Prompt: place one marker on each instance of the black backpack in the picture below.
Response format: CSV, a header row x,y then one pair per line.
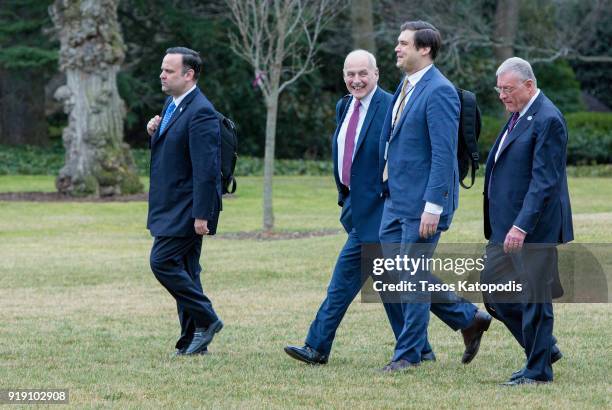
x,y
469,132
229,153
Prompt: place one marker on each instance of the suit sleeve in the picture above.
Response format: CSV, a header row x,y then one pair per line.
x,y
548,163
443,125
204,150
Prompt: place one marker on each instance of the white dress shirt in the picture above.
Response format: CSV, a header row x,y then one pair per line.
x,y
363,110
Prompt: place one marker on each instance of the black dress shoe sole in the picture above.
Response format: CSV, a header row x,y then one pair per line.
x,y
523,382
297,356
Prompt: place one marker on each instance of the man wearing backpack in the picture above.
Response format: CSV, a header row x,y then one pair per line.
x,y
360,194
185,195
420,171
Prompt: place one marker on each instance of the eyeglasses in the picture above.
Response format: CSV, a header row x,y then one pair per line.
x,y
507,90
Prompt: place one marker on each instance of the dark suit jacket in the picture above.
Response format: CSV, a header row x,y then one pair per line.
x,y
422,154
527,186
185,169
366,177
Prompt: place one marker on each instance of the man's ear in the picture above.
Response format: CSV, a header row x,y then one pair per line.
x,y
190,74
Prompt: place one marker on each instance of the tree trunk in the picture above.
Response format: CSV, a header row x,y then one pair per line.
x,y
22,108
271,115
506,26
97,160
362,23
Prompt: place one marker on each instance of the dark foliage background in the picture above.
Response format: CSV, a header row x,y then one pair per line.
x,y
28,63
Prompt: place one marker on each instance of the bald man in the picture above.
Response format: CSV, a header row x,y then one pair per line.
x,y
355,150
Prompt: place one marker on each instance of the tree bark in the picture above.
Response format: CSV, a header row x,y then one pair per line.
x,y
271,117
97,160
22,108
362,25
506,26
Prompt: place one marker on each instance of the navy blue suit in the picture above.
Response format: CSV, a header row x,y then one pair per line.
x,y
185,185
527,187
361,212
422,167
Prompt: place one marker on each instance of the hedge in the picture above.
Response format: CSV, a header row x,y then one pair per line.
x,y
590,143
590,137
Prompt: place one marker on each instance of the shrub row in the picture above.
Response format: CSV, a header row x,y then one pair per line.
x,y
590,143
590,137
29,160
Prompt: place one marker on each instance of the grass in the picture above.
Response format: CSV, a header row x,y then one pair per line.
x,y
81,310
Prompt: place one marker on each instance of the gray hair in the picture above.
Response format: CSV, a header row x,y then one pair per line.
x,y
370,56
518,66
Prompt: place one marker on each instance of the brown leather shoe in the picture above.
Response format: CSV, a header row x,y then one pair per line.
x,y
398,366
473,334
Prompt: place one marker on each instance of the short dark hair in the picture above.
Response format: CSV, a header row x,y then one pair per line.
x,y
191,59
425,35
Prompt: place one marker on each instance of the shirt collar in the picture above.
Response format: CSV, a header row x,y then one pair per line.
x,y
525,108
365,101
416,77
178,100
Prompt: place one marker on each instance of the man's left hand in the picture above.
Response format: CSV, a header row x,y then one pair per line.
x,y
514,240
201,226
429,225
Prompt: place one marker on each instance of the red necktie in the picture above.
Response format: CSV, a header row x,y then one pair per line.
x,y
349,144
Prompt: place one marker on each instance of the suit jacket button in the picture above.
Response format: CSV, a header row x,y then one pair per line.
x,y
446,195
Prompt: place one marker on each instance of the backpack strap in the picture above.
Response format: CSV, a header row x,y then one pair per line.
x,y
470,125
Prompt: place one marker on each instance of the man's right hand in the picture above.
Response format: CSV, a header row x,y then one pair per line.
x,y
153,124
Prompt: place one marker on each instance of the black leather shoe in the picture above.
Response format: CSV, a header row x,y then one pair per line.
x,y
202,338
398,366
473,334
428,357
521,381
556,354
554,357
306,354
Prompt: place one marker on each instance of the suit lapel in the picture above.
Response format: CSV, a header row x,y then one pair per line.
x,y
522,125
418,89
368,120
178,110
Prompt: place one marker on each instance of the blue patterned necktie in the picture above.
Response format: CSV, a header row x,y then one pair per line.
x,y
167,117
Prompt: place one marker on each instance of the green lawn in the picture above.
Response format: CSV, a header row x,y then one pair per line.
x,y
81,309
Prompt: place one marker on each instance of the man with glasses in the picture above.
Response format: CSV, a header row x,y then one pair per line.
x,y
526,214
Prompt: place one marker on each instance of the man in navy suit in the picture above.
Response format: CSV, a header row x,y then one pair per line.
x,y
526,214
184,195
420,171
355,152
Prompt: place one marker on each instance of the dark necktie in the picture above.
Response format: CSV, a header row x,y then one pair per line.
x,y
349,144
513,121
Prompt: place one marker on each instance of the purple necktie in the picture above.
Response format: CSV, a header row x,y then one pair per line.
x,y
349,144
513,121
